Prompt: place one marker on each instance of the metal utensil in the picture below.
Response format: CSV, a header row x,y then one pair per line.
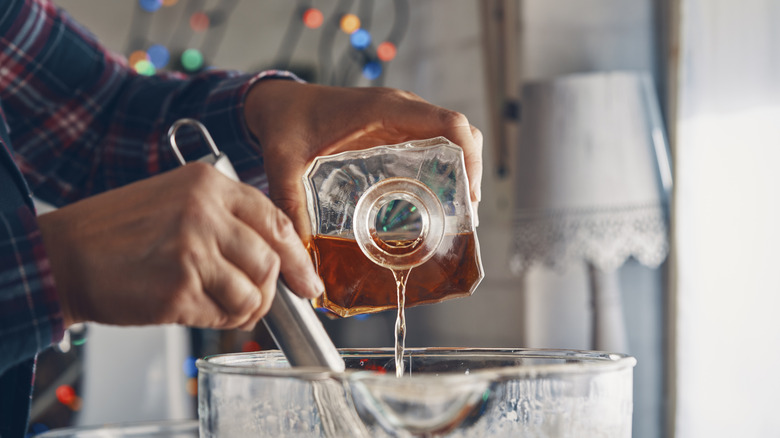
x,y
291,320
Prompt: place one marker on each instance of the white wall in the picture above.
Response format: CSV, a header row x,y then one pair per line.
x,y
728,209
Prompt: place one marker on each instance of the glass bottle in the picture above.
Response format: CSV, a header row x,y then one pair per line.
x,y
402,207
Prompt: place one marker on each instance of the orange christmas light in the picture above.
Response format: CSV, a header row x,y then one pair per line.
x,y
350,23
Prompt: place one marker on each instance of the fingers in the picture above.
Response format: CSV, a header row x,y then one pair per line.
x,y
417,119
276,229
238,300
250,267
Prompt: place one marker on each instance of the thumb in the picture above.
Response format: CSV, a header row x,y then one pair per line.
x,y
291,199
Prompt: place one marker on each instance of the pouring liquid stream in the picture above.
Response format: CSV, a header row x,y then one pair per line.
x,y
401,276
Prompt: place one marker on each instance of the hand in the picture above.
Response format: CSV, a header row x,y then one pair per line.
x,y
189,247
296,122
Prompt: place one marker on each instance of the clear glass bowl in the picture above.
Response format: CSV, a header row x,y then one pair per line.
x,y
156,429
450,392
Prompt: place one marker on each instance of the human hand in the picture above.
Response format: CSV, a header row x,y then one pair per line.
x,y
296,122
189,246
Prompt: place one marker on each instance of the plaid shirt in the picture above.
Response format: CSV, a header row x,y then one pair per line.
x,y
81,122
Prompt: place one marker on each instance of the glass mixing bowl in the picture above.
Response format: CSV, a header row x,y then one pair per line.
x,y
448,392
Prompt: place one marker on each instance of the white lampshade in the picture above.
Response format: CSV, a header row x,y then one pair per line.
x,y
587,178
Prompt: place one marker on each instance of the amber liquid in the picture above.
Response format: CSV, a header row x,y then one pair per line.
x,y
354,284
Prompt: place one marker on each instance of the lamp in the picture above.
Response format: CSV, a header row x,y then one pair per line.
x,y
592,178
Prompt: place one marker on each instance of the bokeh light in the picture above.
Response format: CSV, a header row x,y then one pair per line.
x,y
65,394
250,345
192,60
360,39
144,67
386,51
313,18
192,386
150,5
199,22
167,3
190,369
38,428
372,70
158,55
75,405
136,56
350,23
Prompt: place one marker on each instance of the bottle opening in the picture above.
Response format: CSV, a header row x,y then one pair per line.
x,y
399,223
399,226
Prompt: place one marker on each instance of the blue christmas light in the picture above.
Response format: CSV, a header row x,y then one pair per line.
x,y
372,70
190,370
360,39
158,55
150,5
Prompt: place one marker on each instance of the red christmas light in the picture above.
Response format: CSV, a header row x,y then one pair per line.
x,y
313,18
386,51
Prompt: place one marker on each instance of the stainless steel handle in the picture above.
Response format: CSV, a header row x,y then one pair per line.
x,y
299,333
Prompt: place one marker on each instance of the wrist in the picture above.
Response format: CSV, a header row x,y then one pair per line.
x,y
57,263
268,97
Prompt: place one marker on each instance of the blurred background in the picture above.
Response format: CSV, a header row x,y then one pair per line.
x,y
629,196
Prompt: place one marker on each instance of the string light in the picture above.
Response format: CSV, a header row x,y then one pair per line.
x,y
38,428
144,67
250,345
372,70
350,23
313,18
168,3
150,5
386,51
192,386
65,394
158,55
199,22
192,60
360,39
190,369
135,57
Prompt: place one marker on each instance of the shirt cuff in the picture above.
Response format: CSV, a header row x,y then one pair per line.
x,y
223,116
30,313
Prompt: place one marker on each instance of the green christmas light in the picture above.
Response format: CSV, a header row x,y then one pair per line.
x,y
192,60
145,67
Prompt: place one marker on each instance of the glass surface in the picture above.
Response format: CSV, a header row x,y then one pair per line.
x,y
449,392
157,429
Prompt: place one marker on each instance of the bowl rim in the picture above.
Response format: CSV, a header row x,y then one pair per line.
x,y
583,362
135,428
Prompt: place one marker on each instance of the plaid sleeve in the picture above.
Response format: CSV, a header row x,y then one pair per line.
x,y
82,121
30,316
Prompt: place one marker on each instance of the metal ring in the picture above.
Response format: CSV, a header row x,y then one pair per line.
x,y
192,122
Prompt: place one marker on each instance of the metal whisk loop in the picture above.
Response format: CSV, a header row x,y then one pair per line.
x,y
204,132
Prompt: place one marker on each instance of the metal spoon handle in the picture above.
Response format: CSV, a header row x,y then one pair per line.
x,y
299,333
